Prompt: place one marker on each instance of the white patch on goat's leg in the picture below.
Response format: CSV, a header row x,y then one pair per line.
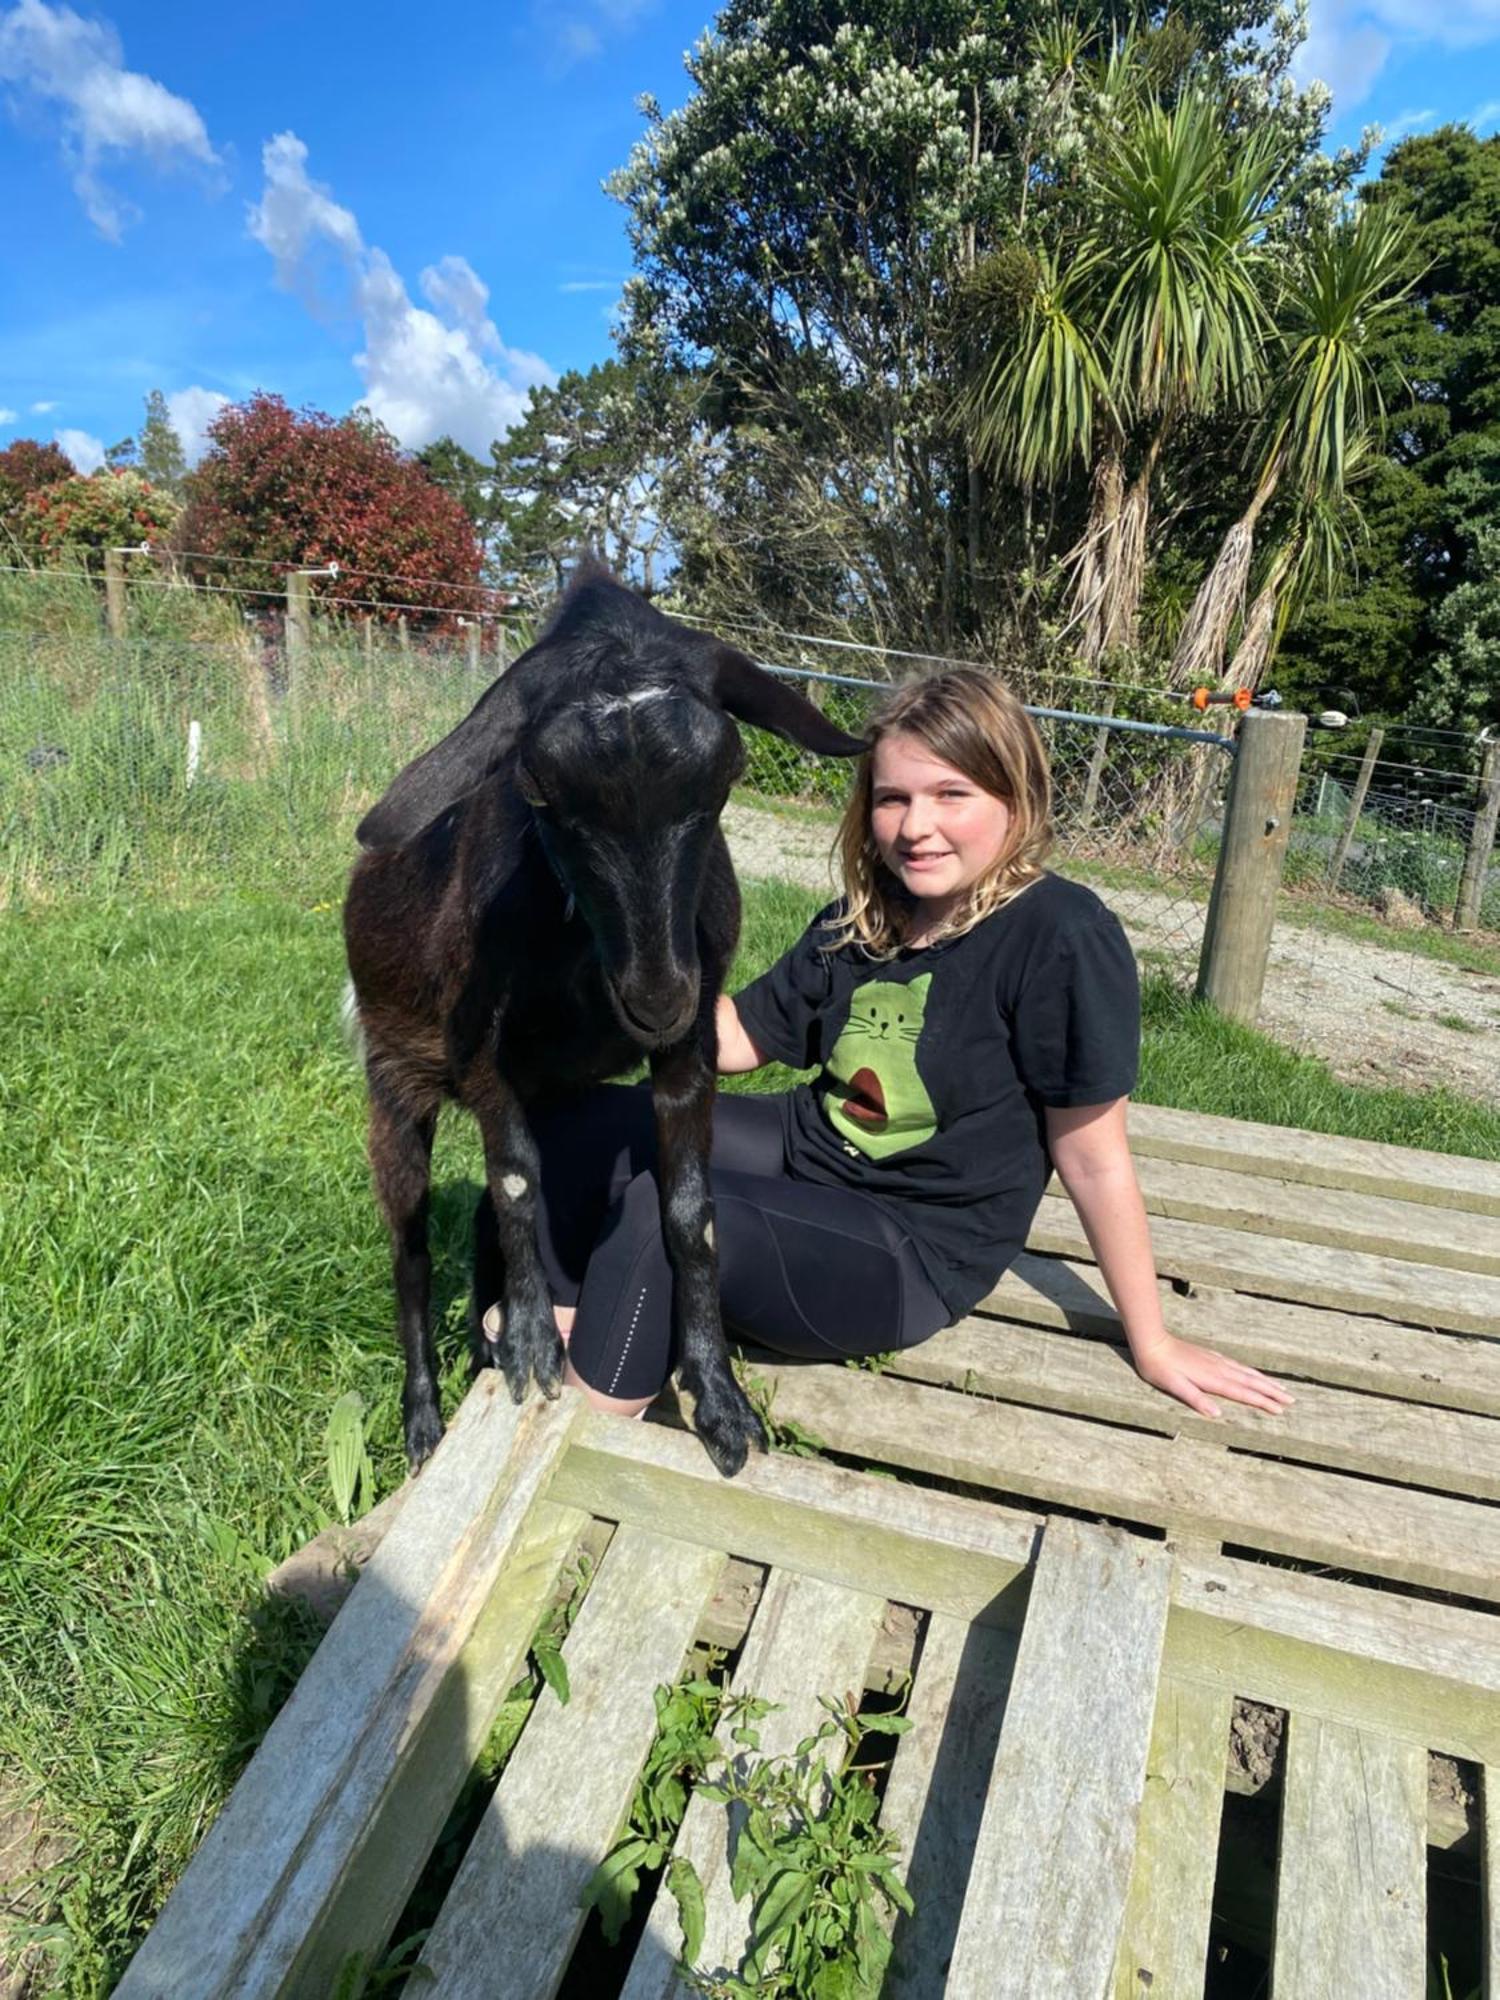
x,y
513,1186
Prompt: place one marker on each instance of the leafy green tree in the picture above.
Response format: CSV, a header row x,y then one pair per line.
x,y
161,456
82,516
583,470
853,202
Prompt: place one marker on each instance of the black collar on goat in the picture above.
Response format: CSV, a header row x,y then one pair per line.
x,y
545,895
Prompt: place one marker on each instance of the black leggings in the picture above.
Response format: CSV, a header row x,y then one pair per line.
x,y
821,1273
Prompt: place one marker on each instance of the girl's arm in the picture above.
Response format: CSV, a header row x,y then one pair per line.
x,y
1092,1155
737,1052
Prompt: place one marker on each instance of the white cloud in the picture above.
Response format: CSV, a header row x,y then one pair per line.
x,y
1486,114
425,373
1348,41
87,453
191,411
106,110
590,285
7,416
582,32
1404,123
42,409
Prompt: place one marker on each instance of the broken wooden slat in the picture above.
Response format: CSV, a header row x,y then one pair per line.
x,y
512,1917
1051,1865
934,1798
1177,1483
1164,1942
1351,1350
1352,1882
808,1640
1445,1180
1348,1280
314,1855
1452,1451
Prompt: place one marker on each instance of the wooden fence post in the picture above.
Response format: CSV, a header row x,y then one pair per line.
x,y
298,626
471,647
114,592
1481,844
1257,826
1356,807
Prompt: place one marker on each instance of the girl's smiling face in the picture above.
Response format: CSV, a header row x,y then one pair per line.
x,y
936,830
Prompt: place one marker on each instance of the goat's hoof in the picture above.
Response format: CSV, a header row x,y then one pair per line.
x,y
547,1365
727,1428
424,1433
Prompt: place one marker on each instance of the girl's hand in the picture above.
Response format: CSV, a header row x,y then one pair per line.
x,y
1192,1374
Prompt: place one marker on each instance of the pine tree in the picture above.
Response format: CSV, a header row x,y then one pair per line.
x,y
161,455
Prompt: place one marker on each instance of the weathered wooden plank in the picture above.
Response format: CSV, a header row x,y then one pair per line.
x,y
1443,1180
1453,1451
1352,1884
1337,1217
1490,1879
809,1639
1426,1673
1372,1658
564,1795
934,1798
1349,1280
1457,1371
1176,1483
1052,1861
316,1851
932,1549
1164,1942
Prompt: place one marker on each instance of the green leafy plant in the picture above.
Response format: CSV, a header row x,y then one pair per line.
x,y
784,1433
350,1472
816,1868
685,1744
809,1857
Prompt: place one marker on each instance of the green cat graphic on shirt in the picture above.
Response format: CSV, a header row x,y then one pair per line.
x,y
874,1096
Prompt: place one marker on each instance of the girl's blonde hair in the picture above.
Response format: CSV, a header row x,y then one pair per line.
x,y
971,721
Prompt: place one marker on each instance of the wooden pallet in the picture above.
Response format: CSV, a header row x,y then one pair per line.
x,y
1059,1798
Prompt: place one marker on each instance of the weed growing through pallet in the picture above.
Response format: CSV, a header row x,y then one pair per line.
x,y
815,1867
808,1855
784,1433
685,1744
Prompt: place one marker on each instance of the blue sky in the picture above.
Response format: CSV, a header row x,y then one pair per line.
x,y
368,204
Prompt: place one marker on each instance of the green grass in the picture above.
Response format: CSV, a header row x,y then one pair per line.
x,y
195,1272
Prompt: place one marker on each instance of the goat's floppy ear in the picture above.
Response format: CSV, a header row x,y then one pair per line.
x,y
431,782
753,695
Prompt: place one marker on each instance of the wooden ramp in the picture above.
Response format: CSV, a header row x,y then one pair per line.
x,y
1095,1594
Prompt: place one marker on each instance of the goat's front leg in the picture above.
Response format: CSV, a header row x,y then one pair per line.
x,y
527,1343
683,1083
401,1161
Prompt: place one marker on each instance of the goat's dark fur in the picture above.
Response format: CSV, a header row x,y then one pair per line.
x,y
544,896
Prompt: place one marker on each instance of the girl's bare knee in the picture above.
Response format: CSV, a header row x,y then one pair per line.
x,y
615,1406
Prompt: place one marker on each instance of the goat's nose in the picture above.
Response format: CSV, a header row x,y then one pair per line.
x,y
657,1017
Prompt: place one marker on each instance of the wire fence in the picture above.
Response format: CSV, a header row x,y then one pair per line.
x,y
211,746
181,766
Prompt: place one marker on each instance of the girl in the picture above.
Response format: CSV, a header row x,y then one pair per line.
x,y
974,1020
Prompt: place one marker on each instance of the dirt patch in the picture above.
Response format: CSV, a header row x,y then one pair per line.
x,y
1376,1013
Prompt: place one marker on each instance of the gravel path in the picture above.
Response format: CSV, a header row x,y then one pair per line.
x,y
1378,1014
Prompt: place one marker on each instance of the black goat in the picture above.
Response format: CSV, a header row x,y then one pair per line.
x,y
546,894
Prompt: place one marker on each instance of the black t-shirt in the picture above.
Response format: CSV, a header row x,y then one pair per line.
x,y
934,1067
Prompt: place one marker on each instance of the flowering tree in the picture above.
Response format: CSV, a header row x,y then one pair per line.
x,y
857,209
280,489
82,517
25,467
